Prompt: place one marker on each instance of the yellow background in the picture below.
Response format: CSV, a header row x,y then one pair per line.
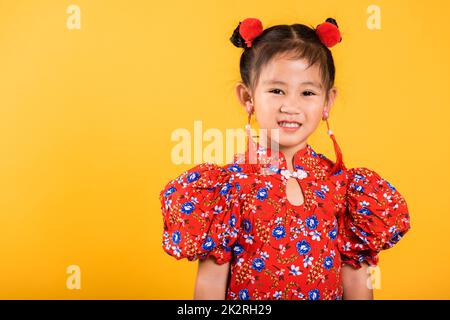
x,y
86,117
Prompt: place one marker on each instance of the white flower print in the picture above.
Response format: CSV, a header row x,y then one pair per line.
x,y
277,294
347,246
332,253
176,250
315,235
295,270
264,255
359,245
364,203
280,272
307,261
167,203
194,200
241,175
387,197
248,238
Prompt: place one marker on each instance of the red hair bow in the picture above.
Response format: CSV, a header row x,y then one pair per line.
x,y
249,29
328,33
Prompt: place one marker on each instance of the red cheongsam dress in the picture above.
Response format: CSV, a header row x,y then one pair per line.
x,y
239,213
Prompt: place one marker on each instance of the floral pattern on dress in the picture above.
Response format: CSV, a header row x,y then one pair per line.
x,y
239,213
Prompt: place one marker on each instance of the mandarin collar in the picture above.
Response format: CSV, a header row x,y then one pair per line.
x,y
273,161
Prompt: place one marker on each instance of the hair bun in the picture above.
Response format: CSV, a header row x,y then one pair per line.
x,y
331,20
247,31
329,33
237,39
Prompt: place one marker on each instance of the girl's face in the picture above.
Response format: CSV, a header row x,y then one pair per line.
x,y
291,98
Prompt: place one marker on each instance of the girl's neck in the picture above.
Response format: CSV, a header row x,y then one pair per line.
x,y
289,153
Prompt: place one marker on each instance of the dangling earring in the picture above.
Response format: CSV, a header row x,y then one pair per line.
x,y
252,148
339,164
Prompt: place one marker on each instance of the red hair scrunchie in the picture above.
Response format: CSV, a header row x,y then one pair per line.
x,y
328,33
249,29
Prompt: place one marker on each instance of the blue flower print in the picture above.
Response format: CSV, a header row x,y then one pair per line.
x,y
187,207
320,194
169,191
278,294
390,186
225,189
358,177
234,168
238,249
328,262
262,194
176,237
247,225
274,169
333,233
258,264
311,222
209,244
225,243
363,233
314,294
232,221
358,188
244,295
303,247
364,211
337,173
396,237
279,232
193,177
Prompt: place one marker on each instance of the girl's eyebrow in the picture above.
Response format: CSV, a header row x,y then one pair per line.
x,y
315,84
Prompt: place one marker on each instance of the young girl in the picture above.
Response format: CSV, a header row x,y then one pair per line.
x,y
304,228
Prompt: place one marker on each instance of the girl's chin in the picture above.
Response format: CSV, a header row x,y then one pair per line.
x,y
289,141
287,136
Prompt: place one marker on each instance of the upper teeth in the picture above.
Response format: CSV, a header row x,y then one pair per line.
x,y
289,124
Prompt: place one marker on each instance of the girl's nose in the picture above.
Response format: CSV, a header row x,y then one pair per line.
x,y
290,107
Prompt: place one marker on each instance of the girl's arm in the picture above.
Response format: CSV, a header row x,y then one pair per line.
x,y
212,280
355,283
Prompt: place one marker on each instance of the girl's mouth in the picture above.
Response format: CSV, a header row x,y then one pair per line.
x,y
289,125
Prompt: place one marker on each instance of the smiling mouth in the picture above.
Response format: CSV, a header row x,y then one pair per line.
x,y
289,124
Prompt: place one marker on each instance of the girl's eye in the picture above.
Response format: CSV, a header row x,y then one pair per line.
x,y
305,93
275,90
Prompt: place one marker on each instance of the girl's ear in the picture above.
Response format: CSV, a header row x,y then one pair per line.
x,y
331,97
244,97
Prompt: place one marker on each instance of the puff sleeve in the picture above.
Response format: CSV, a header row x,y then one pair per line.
x,y
201,213
375,218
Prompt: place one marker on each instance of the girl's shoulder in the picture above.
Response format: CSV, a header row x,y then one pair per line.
x,y
201,211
